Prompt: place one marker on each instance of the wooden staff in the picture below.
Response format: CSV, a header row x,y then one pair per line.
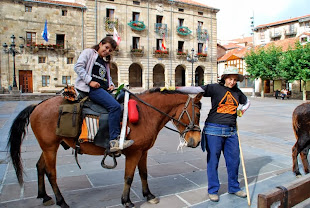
x,y
243,168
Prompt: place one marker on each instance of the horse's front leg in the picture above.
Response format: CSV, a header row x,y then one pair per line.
x,y
142,166
47,200
50,168
132,160
295,160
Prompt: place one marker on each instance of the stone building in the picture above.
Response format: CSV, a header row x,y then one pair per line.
x,y
41,66
156,38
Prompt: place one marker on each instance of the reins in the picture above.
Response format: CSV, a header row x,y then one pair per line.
x,y
188,127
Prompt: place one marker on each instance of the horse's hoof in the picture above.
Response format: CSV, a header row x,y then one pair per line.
x,y
129,205
48,202
298,176
153,201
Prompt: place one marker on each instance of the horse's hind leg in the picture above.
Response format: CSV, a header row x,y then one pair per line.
x,y
50,171
142,166
295,160
47,200
304,159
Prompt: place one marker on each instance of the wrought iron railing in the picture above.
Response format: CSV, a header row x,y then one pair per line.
x,y
161,29
202,34
110,23
137,51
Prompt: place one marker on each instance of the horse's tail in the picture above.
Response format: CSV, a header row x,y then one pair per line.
x,y
295,123
16,136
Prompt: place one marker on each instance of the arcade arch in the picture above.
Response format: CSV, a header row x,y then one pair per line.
x,y
199,76
180,75
135,75
158,75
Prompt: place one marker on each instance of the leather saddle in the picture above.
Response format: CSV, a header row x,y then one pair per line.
x,y
91,108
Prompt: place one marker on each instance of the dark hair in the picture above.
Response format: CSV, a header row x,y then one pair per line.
x,y
222,82
105,40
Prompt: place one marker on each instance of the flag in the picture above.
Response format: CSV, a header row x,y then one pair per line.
x,y
163,43
44,34
116,37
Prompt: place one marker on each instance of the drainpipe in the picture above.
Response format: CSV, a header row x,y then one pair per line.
x,y
171,44
148,45
211,49
82,29
96,22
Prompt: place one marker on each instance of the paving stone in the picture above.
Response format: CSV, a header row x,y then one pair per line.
x,y
178,178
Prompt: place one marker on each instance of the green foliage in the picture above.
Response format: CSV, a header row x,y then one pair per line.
x,y
263,63
295,64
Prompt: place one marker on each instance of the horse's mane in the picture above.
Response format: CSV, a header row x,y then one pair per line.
x,y
165,91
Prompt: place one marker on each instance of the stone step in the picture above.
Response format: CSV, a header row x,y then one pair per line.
x,y
255,188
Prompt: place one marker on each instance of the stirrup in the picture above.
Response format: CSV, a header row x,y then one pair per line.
x,y
114,160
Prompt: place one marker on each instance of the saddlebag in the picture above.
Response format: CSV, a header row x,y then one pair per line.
x,y
69,119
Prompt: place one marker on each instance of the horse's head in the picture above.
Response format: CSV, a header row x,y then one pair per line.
x,y
187,120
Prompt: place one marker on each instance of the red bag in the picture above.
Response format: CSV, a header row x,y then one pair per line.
x,y
133,114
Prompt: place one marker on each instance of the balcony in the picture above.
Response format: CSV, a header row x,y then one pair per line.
x,y
202,34
180,54
110,23
184,31
161,29
137,25
275,35
34,48
202,56
291,32
137,52
158,53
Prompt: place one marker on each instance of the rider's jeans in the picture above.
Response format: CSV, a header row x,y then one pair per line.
x,y
103,98
222,138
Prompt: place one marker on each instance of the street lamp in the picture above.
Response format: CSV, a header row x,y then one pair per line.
x,y
13,51
193,58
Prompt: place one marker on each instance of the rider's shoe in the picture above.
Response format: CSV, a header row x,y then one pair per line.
x,y
114,145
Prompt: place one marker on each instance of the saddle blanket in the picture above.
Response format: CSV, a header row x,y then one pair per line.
x,y
90,127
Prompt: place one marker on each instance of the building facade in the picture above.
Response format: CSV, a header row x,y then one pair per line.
x,y
284,34
281,30
156,39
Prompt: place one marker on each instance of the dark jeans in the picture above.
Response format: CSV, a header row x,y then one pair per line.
x,y
222,138
103,98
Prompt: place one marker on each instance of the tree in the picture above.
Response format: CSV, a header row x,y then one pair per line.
x,y
295,65
263,63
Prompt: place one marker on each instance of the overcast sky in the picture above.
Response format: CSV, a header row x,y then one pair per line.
x,y
233,19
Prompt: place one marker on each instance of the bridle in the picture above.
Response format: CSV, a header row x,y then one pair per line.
x,y
188,127
191,126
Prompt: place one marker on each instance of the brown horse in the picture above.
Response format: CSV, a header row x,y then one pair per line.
x,y
301,126
181,108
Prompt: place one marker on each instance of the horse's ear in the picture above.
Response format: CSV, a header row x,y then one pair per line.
x,y
198,97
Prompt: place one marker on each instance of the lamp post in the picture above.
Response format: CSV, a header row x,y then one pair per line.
x,y
193,58
13,51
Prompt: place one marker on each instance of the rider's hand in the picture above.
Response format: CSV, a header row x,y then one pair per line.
x,y
110,88
94,84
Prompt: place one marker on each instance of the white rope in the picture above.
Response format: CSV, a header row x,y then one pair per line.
x,y
183,143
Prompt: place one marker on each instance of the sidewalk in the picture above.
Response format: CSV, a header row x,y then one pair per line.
x,y
178,178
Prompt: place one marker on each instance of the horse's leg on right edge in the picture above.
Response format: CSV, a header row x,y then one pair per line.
x,y
142,166
47,200
304,159
132,160
50,171
295,159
